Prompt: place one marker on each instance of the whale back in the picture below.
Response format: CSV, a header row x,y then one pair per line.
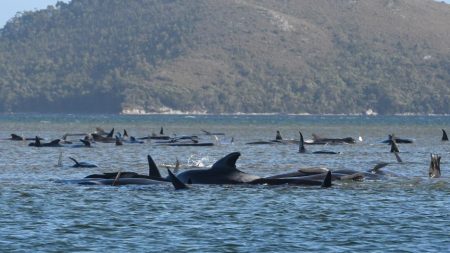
x,y
17,137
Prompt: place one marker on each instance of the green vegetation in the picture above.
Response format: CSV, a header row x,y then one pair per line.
x,y
321,56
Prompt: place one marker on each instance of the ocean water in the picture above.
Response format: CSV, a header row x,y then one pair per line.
x,y
408,213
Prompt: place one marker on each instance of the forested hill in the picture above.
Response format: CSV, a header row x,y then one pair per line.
x,y
286,56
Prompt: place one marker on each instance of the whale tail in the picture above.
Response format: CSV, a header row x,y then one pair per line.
x,y
125,133
394,147
301,148
397,156
37,141
435,166
176,182
153,170
444,135
327,181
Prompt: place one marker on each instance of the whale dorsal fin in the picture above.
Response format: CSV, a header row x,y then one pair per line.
x,y
301,148
74,160
125,133
153,170
278,136
444,135
227,163
110,135
327,181
161,131
176,182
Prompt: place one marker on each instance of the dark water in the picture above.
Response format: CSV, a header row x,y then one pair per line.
x,y
410,213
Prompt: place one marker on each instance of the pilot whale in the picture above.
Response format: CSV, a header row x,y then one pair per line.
x,y
224,171
129,178
82,164
317,140
302,149
37,143
278,140
343,174
15,137
105,139
153,173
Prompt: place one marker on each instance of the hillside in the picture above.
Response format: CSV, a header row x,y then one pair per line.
x,y
309,56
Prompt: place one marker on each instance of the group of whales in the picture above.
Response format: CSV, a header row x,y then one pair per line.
x,y
190,140
108,137
224,171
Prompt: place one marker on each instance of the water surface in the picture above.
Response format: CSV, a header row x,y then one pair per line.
x,y
409,213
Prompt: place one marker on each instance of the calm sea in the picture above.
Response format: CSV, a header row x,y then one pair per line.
x,y
409,213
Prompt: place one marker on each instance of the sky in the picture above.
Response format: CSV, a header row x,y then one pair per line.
x,y
9,8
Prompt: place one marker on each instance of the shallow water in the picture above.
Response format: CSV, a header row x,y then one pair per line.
x,y
408,213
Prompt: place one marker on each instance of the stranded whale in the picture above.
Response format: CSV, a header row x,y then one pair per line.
x,y
224,171
302,149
